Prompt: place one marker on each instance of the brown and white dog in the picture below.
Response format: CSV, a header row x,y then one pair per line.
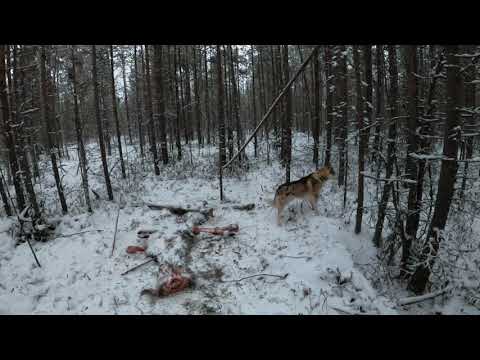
x,y
307,188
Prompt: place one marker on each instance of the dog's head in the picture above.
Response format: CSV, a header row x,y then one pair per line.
x,y
326,171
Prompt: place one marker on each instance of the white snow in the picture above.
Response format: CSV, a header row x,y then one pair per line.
x,y
324,260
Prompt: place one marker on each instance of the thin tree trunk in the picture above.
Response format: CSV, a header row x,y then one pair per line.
x,y
198,119
447,178
287,130
391,148
22,158
99,124
115,114
361,143
46,114
221,118
207,100
411,166
343,91
177,103
137,104
9,126
254,98
148,108
316,101
328,75
125,96
160,102
78,129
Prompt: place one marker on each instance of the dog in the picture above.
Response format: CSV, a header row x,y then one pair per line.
x,y
307,188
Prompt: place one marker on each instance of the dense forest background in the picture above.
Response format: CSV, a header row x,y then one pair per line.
x,y
400,121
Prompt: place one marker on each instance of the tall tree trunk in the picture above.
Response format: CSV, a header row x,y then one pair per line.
x,y
413,214
115,113
178,110
196,89
160,102
149,112
221,117
254,108
22,158
362,141
46,114
316,101
287,130
188,96
343,126
9,129
235,102
125,96
137,103
329,101
367,59
380,112
99,124
391,148
447,178
78,129
207,100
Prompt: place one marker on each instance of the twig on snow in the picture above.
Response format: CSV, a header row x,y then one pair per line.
x,y
115,234
283,277
77,233
136,267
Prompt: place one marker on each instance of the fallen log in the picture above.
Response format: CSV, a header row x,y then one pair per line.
x,y
416,299
246,207
229,230
181,211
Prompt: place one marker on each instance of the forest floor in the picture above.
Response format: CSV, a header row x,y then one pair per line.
x,y
330,269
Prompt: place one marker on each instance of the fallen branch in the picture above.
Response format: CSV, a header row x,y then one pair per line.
x,y
115,234
78,233
283,277
416,299
180,211
140,265
231,229
246,207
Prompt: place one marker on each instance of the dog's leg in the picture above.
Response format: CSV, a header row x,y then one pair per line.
x,y
313,203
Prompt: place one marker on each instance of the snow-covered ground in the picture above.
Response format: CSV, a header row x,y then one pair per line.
x,y
329,268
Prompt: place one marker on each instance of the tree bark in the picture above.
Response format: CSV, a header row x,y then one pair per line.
x,y
391,148
413,214
329,100
46,114
361,143
99,124
221,117
287,130
125,97
137,104
316,106
160,102
8,130
447,178
78,129
115,114
149,112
